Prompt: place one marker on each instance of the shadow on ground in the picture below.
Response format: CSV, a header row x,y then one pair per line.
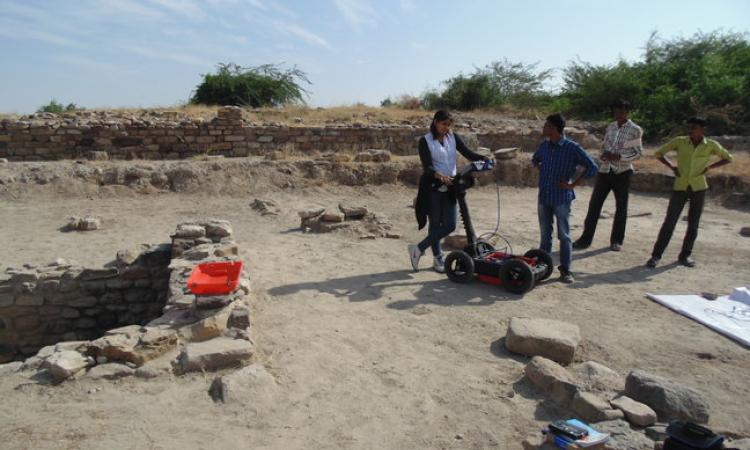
x,y
386,285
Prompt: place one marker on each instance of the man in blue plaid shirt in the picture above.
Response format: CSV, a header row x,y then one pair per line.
x,y
558,159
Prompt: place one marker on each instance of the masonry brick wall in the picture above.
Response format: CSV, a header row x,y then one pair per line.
x,y
48,137
44,305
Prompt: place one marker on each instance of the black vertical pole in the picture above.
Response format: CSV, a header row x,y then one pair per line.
x,y
466,218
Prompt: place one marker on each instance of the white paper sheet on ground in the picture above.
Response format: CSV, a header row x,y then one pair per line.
x,y
741,294
725,315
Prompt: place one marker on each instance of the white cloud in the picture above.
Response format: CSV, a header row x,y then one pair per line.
x,y
357,12
149,52
14,30
87,63
186,8
129,7
302,33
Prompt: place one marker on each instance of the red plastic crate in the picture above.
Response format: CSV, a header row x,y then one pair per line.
x,y
215,278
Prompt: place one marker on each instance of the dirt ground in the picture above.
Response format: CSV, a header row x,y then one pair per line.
x,y
368,354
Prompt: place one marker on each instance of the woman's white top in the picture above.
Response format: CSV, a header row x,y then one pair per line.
x,y
443,153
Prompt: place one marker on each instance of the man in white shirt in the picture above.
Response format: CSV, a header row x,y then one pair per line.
x,y
622,144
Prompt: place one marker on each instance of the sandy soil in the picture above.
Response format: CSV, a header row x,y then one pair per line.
x,y
367,353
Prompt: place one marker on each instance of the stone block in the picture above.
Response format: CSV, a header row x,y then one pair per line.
x,y
218,353
249,385
670,400
189,230
239,318
552,379
64,364
636,413
110,371
552,339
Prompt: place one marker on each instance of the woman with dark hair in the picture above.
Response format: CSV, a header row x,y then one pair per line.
x,y
438,151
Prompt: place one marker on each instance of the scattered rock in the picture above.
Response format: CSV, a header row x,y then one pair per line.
x,y
189,230
10,367
110,371
544,337
147,372
670,400
249,385
657,432
353,212
218,353
218,228
332,217
635,412
87,223
589,406
116,347
598,377
311,213
622,437
552,379
64,364
266,207
745,231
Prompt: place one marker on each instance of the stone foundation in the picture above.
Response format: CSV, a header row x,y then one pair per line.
x,y
62,302
45,137
128,314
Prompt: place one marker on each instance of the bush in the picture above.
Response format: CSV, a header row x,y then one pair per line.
x,y
706,74
266,85
55,107
498,84
404,101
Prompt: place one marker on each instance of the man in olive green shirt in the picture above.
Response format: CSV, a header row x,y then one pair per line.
x,y
694,153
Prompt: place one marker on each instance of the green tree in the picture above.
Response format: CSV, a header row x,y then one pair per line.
x,y
266,85
705,74
500,83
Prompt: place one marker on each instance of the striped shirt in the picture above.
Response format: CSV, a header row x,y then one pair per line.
x,y
557,163
625,141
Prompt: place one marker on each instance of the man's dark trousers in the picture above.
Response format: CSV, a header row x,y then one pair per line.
x,y
619,184
676,204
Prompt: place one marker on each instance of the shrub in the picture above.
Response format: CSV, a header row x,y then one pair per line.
x,y
499,84
55,107
266,85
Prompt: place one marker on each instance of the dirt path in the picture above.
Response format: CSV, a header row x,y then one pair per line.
x,y
368,354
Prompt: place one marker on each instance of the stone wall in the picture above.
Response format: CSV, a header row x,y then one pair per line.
x,y
47,137
41,306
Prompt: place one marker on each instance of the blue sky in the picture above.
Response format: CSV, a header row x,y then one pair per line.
x,y
141,53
